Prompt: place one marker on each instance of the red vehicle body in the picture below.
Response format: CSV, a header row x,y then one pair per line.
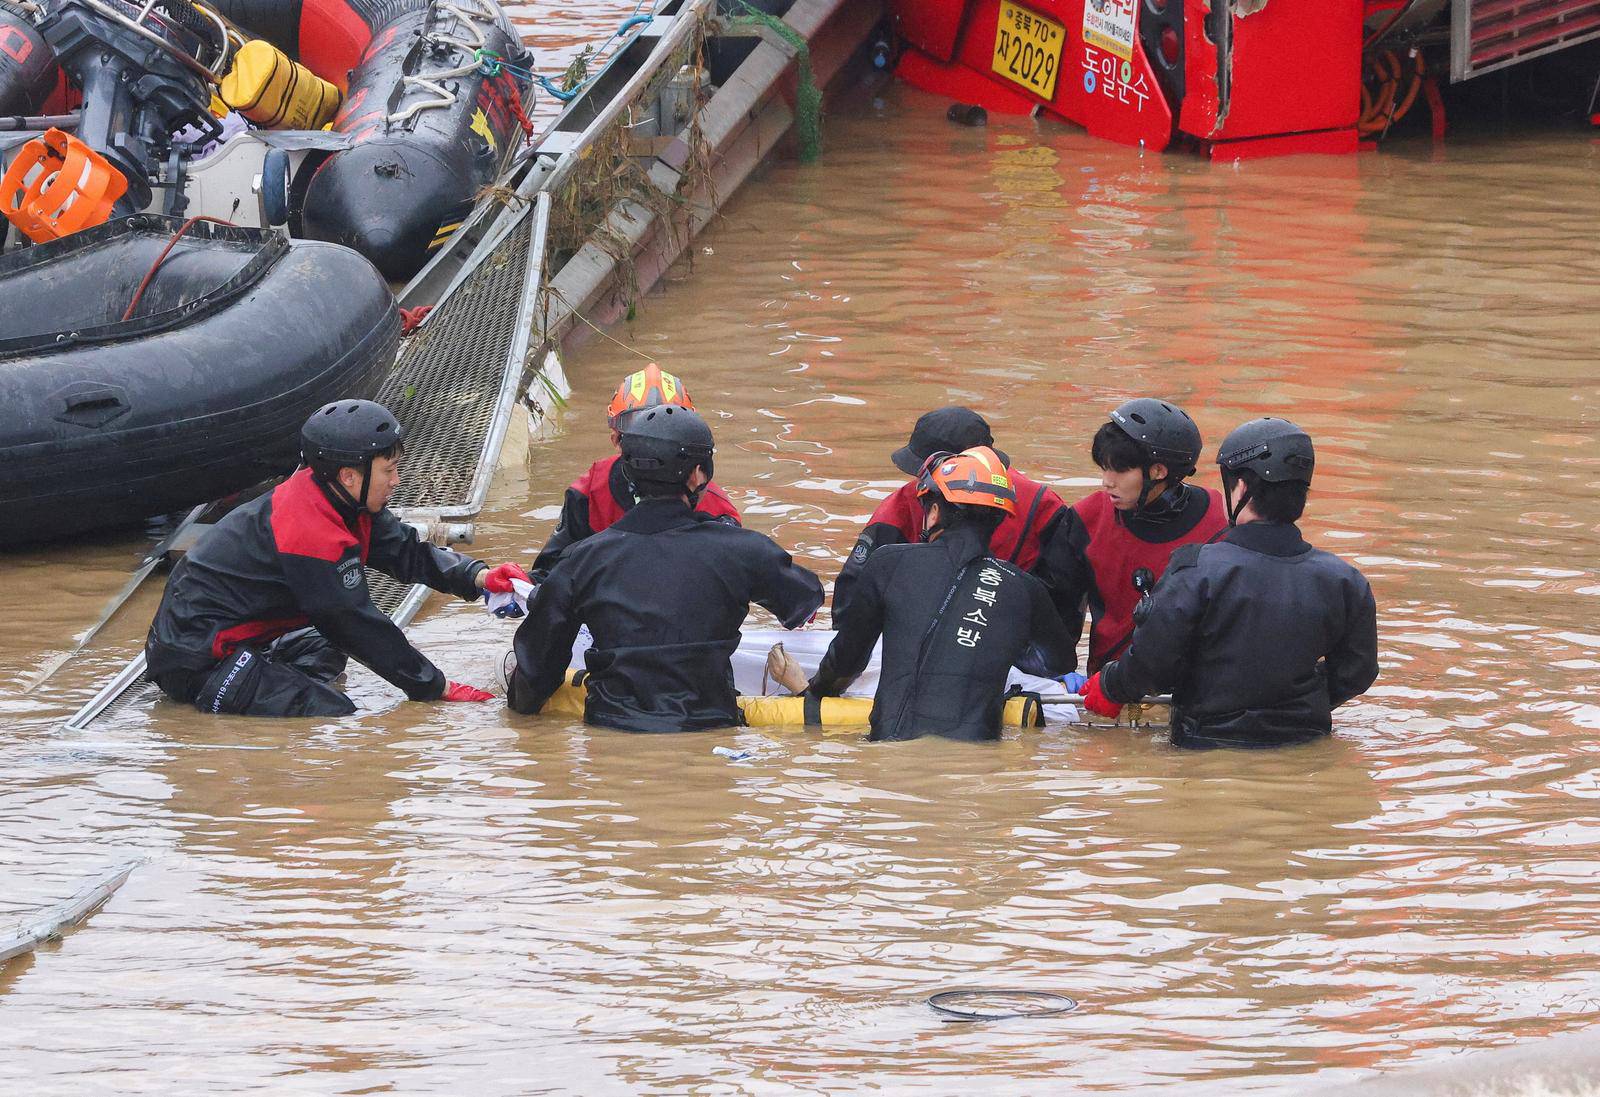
x,y
1227,78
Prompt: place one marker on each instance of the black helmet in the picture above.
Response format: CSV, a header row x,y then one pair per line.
x,y
1274,449
347,434
1165,430
663,445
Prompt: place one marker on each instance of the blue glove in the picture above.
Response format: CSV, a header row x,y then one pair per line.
x,y
1074,681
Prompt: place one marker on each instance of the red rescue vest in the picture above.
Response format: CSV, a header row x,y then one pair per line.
x,y
1115,553
1036,504
605,508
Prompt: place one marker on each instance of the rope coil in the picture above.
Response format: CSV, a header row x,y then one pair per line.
x,y
1385,105
444,98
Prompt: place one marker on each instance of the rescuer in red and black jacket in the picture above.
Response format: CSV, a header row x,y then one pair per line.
x,y
1106,551
954,619
1258,635
898,519
603,494
664,592
260,615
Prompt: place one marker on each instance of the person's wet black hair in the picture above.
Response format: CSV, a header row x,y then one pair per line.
x,y
1276,501
968,516
1113,449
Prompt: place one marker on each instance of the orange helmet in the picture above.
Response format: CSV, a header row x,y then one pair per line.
x,y
975,477
650,387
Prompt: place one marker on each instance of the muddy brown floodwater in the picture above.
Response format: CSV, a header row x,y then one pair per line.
x,y
450,900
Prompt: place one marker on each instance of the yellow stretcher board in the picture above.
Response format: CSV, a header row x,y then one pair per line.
x,y
840,712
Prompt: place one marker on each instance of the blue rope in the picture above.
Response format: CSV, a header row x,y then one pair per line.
x,y
564,96
492,63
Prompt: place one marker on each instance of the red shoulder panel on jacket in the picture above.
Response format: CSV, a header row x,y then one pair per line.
x,y
902,511
596,486
1017,539
715,502
305,523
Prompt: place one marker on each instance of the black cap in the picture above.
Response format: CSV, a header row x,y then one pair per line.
x,y
944,430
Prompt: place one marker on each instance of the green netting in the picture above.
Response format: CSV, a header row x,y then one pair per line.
x,y
808,97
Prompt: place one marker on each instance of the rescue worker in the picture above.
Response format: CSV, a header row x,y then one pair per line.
x,y
1259,636
603,494
663,591
898,519
261,614
1106,551
954,617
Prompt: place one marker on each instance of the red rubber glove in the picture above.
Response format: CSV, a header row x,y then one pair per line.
x,y
497,580
459,691
1097,702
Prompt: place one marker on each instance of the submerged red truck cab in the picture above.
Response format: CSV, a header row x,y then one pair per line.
x,y
1231,79
1238,78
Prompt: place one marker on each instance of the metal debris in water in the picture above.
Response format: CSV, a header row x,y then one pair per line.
x,y
1000,1004
58,919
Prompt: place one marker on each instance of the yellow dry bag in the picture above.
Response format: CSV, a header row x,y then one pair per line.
x,y
273,91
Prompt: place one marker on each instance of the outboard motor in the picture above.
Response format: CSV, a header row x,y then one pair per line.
x,y
145,72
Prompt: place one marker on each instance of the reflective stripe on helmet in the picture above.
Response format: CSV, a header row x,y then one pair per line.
x,y
976,476
647,388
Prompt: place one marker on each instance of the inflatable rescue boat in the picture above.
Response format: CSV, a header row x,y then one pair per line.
x,y
431,114
257,141
135,381
419,99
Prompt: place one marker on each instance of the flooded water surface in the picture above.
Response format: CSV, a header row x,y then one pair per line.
x,y
449,899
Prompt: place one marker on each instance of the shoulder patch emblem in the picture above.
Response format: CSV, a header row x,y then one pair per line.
x,y
858,555
351,578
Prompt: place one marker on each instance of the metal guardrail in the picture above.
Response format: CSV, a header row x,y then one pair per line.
x,y
456,379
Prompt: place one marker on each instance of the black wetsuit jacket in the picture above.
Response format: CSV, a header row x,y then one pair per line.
x,y
664,591
1258,636
954,620
292,558
601,496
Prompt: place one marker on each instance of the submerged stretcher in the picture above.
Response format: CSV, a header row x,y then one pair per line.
x,y
765,703
1023,710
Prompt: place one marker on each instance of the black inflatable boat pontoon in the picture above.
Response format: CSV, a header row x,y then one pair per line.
x,y
238,337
